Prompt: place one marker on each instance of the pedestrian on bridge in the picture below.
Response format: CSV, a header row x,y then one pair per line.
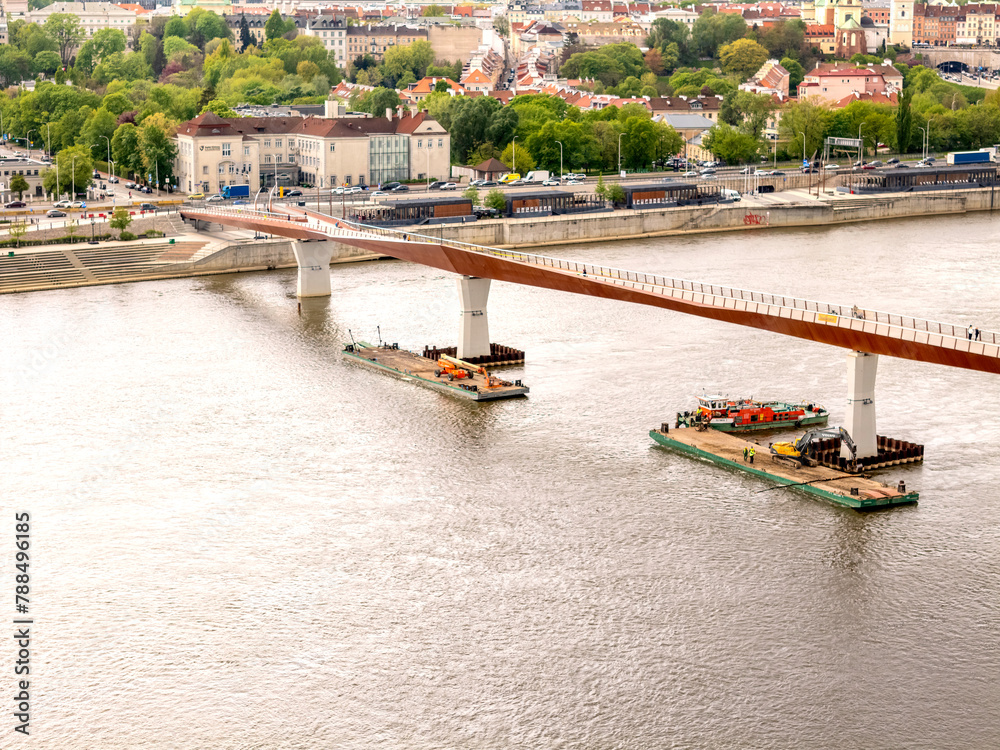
x,y
970,332
977,334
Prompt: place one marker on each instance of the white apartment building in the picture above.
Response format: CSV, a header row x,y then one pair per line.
x,y
93,16
333,31
213,152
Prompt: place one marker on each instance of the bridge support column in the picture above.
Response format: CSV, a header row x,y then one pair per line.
x,y
474,333
860,421
314,267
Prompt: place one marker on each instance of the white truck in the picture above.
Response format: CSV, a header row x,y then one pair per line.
x,y
537,177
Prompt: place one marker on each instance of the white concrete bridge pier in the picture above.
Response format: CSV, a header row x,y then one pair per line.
x,y
860,419
314,267
474,332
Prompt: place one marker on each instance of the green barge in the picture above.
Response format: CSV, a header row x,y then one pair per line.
x,y
829,484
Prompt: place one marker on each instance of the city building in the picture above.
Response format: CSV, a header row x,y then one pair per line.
x,y
770,79
832,82
332,30
375,40
93,16
213,152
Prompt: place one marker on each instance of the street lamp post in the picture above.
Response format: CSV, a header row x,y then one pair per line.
x,y
620,154
73,172
923,142
560,159
861,147
48,143
428,166
27,142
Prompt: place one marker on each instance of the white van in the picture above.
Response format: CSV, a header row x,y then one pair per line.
x,y
733,195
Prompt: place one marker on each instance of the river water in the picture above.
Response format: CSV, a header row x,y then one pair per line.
x,y
242,541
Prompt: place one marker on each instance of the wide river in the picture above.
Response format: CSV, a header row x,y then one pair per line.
x,y
240,540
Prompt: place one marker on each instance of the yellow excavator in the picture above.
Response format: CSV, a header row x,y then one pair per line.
x,y
798,452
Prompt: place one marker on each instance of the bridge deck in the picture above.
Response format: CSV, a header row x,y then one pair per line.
x,y
870,331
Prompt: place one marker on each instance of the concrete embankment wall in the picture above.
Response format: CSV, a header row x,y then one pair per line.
x,y
552,230
260,255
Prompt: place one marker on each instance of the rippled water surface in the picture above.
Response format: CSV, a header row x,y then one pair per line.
x,y
242,541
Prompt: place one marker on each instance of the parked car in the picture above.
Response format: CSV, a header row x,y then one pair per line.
x,y
131,185
113,180
55,213
62,204
482,212
193,196
147,207
338,191
145,189
550,183
450,186
489,184
16,204
476,183
293,193
97,175
356,189
436,185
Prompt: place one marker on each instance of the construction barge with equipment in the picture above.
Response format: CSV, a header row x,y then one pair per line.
x,y
446,374
835,485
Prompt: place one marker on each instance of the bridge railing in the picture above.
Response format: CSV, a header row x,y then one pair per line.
x,y
717,292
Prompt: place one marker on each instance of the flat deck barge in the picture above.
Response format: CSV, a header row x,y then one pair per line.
x,y
832,485
423,371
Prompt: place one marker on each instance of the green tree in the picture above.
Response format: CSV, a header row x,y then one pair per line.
x,y
84,168
746,111
175,27
65,30
377,101
18,185
472,194
742,58
615,193
17,229
47,62
275,27
246,38
731,145
158,150
433,11
904,121
496,200
220,108
601,189
795,74
120,220
125,150
713,30
204,25
100,125
784,38
470,123
307,70
517,158
809,119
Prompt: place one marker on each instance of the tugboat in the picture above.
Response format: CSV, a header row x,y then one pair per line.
x,y
747,415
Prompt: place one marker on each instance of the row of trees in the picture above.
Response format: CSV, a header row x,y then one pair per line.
x,y
927,105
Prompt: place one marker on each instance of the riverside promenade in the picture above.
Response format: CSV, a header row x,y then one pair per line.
x,y
228,251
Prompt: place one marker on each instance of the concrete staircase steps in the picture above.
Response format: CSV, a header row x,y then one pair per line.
x,y
181,251
38,269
